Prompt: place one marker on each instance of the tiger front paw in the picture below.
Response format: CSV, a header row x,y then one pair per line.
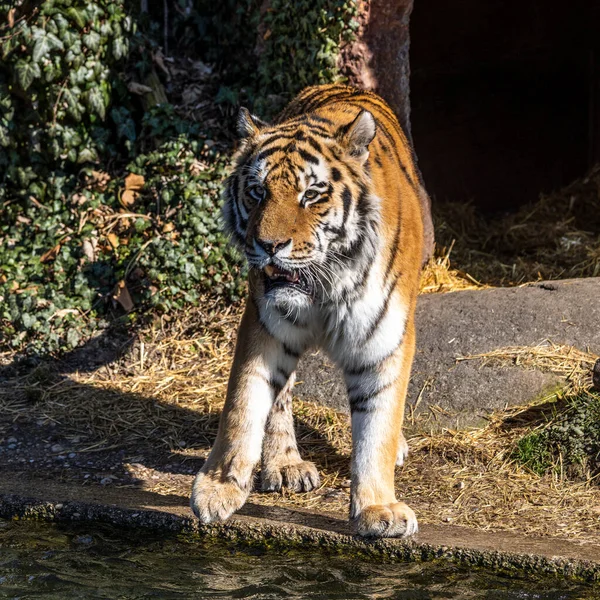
x,y
386,520
301,476
215,500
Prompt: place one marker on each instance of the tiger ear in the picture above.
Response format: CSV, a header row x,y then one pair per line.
x,y
248,126
357,136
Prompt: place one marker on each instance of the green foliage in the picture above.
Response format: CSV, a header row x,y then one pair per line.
x,y
569,442
61,261
270,51
55,87
301,45
78,247
71,250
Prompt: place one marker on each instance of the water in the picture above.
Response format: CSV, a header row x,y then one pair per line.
x,y
39,560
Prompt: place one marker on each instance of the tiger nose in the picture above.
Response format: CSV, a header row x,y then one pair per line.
x,y
272,247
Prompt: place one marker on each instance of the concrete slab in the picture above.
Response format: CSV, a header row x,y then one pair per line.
x,y
272,527
473,322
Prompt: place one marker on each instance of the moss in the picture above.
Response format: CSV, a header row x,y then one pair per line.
x,y
569,441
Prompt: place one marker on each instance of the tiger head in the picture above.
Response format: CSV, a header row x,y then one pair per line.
x,y
298,202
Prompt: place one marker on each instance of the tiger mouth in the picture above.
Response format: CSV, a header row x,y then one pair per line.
x,y
276,277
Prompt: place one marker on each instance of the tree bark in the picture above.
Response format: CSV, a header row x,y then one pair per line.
x,y
377,59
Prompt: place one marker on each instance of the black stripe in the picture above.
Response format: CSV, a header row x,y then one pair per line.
x,y
308,157
277,387
347,201
319,119
336,174
393,251
266,153
370,366
290,351
355,248
335,230
363,204
360,403
283,374
353,388
314,144
382,312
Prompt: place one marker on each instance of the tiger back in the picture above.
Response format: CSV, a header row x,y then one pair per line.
x,y
328,207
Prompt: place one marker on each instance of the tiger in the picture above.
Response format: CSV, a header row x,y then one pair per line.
x,y
328,206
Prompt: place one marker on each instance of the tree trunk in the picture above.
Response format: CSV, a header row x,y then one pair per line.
x,y
378,59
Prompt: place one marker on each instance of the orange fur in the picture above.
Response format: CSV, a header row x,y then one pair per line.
x,y
329,208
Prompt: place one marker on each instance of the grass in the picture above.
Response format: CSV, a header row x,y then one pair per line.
x,y
568,443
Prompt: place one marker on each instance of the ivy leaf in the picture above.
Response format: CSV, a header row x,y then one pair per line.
x,y
87,155
78,15
55,42
27,72
95,101
41,48
92,40
119,48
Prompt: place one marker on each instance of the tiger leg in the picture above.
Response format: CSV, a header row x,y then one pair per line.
x,y
377,409
257,376
402,453
281,461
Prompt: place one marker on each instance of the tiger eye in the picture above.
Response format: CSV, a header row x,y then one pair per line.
x,y
310,194
257,192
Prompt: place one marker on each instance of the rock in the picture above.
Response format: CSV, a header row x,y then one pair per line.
x,y
596,376
459,394
83,539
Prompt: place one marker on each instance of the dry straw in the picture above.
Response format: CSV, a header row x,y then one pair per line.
x,y
166,392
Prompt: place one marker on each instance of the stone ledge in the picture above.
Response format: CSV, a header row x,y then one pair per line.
x,y
281,528
475,322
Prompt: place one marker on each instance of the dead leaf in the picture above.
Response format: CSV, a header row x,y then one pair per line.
x,y
159,58
24,220
63,312
267,35
128,198
168,227
51,254
89,249
113,240
11,17
134,182
202,69
79,199
138,88
192,93
99,180
3,278
122,296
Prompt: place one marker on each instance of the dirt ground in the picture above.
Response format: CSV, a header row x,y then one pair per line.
x,y
142,411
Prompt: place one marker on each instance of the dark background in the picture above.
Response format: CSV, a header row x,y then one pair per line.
x,y
504,97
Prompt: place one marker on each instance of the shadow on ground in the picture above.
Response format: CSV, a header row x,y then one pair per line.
x,y
57,429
